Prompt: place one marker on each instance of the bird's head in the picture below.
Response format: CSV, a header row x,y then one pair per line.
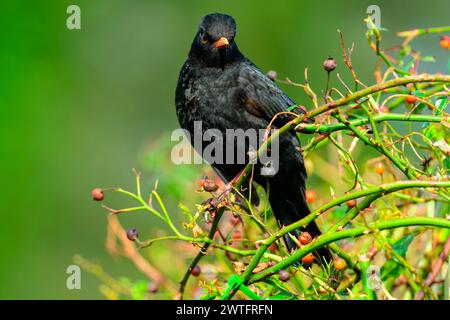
x,y
214,43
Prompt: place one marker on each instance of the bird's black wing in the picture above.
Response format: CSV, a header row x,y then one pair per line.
x,y
262,97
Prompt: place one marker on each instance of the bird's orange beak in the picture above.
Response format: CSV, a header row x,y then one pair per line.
x,y
221,43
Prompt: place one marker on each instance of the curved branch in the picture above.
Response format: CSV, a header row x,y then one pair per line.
x,y
328,128
351,233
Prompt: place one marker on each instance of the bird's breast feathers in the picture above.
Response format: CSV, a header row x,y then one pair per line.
x,y
210,95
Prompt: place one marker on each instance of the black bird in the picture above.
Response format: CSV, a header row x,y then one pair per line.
x,y
221,88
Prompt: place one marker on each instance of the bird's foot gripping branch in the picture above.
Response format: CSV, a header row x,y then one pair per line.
x,y
378,157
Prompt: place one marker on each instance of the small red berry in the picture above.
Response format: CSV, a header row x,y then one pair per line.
x,y
339,264
310,196
379,168
97,194
305,238
411,99
308,259
273,248
196,271
351,203
329,64
237,235
153,287
445,42
373,251
200,183
132,234
283,275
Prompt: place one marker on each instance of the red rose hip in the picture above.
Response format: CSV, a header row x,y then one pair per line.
x,y
97,194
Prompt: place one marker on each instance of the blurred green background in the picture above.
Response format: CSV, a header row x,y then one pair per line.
x,y
79,108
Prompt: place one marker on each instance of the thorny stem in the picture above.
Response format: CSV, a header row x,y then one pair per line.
x,y
201,253
373,193
411,34
376,47
373,89
214,244
348,59
337,103
351,233
328,128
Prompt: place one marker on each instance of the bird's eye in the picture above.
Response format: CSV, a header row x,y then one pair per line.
x,y
205,38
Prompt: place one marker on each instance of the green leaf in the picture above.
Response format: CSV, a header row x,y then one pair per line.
x,y
441,104
435,132
447,164
428,59
419,108
392,268
418,93
401,246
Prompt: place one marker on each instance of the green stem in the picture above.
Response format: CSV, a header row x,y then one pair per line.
x,y
230,249
141,201
376,88
166,214
351,233
380,148
373,192
411,34
364,264
337,103
377,190
203,250
328,128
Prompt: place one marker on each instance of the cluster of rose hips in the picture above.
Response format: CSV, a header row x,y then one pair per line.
x,y
338,263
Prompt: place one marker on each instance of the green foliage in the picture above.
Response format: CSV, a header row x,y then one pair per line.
x,y
379,186
392,268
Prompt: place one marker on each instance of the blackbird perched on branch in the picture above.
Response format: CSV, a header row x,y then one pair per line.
x,y
219,87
